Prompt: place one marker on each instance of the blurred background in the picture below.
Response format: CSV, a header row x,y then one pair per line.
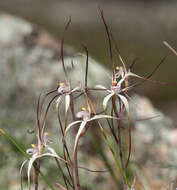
x,y
139,27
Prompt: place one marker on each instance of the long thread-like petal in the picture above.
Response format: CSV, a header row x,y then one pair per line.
x,y
21,168
75,89
67,103
106,99
70,125
102,117
125,102
58,101
81,128
100,86
34,157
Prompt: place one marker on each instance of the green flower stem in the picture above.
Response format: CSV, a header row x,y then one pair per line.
x,y
106,162
26,155
114,155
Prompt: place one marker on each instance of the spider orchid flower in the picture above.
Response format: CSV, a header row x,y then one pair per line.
x,y
124,74
65,90
116,87
121,72
37,152
85,115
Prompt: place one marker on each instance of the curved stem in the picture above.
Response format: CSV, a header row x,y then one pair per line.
x,y
119,133
62,43
47,109
78,187
65,148
36,175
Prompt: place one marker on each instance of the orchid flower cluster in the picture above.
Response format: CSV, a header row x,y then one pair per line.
x,y
116,96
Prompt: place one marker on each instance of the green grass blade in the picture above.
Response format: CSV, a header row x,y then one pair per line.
x,y
115,156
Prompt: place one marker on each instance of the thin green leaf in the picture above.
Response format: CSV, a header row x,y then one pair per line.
x,y
115,156
14,143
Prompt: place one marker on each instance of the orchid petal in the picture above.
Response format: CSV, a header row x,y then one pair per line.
x,y
89,109
54,153
30,164
83,124
21,168
133,75
31,161
127,88
30,151
120,73
58,101
85,115
101,87
102,116
125,102
127,75
70,125
121,81
51,150
75,89
106,99
67,103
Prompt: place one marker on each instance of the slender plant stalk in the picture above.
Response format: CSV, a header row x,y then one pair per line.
x,y
109,41
66,181
150,75
86,68
106,162
62,44
170,47
119,139
119,133
78,187
46,112
65,149
114,155
36,174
